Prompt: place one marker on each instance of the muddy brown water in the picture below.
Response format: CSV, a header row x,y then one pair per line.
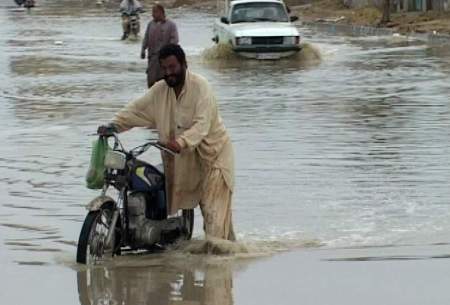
x,y
344,147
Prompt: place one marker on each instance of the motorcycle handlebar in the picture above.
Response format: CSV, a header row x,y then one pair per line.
x,y
160,146
139,149
136,12
155,144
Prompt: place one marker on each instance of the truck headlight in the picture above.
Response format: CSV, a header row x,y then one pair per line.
x,y
291,40
243,40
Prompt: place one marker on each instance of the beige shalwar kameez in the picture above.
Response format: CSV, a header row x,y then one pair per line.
x,y
204,170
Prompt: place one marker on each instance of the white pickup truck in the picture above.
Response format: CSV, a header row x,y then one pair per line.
x,y
260,29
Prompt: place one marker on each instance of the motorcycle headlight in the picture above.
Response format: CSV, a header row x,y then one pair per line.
x,y
115,160
243,40
291,40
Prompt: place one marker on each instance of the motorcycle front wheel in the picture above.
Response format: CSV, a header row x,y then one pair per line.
x,y
92,246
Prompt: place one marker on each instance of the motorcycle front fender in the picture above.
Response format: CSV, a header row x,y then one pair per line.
x,y
97,203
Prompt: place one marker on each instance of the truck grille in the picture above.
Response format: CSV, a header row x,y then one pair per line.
x,y
267,40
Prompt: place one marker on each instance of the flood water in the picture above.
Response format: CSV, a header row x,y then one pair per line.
x,y
351,153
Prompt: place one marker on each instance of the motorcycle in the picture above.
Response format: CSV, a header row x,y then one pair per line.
x,y
134,25
138,219
26,3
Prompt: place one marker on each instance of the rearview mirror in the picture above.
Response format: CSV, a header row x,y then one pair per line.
x,y
224,20
293,18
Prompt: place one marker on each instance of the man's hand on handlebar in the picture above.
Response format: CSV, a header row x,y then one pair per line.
x,y
106,130
174,146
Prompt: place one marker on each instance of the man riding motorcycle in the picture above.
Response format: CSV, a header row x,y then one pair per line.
x,y
25,3
128,8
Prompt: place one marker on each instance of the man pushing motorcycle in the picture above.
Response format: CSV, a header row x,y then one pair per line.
x,y
183,109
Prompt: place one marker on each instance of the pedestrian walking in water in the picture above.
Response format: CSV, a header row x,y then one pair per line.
x,y
160,32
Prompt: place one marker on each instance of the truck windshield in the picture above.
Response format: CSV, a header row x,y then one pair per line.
x,y
258,11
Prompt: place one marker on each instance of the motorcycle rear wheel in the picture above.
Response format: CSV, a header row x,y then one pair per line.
x,y
91,243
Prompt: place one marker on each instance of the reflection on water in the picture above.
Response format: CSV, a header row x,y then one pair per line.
x,y
158,285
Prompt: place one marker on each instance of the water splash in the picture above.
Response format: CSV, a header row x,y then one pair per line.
x,y
220,51
196,252
310,54
240,249
213,246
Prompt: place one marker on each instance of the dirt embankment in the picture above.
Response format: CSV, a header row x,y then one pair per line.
x,y
334,11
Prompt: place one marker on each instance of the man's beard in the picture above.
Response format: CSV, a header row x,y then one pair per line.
x,y
174,80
